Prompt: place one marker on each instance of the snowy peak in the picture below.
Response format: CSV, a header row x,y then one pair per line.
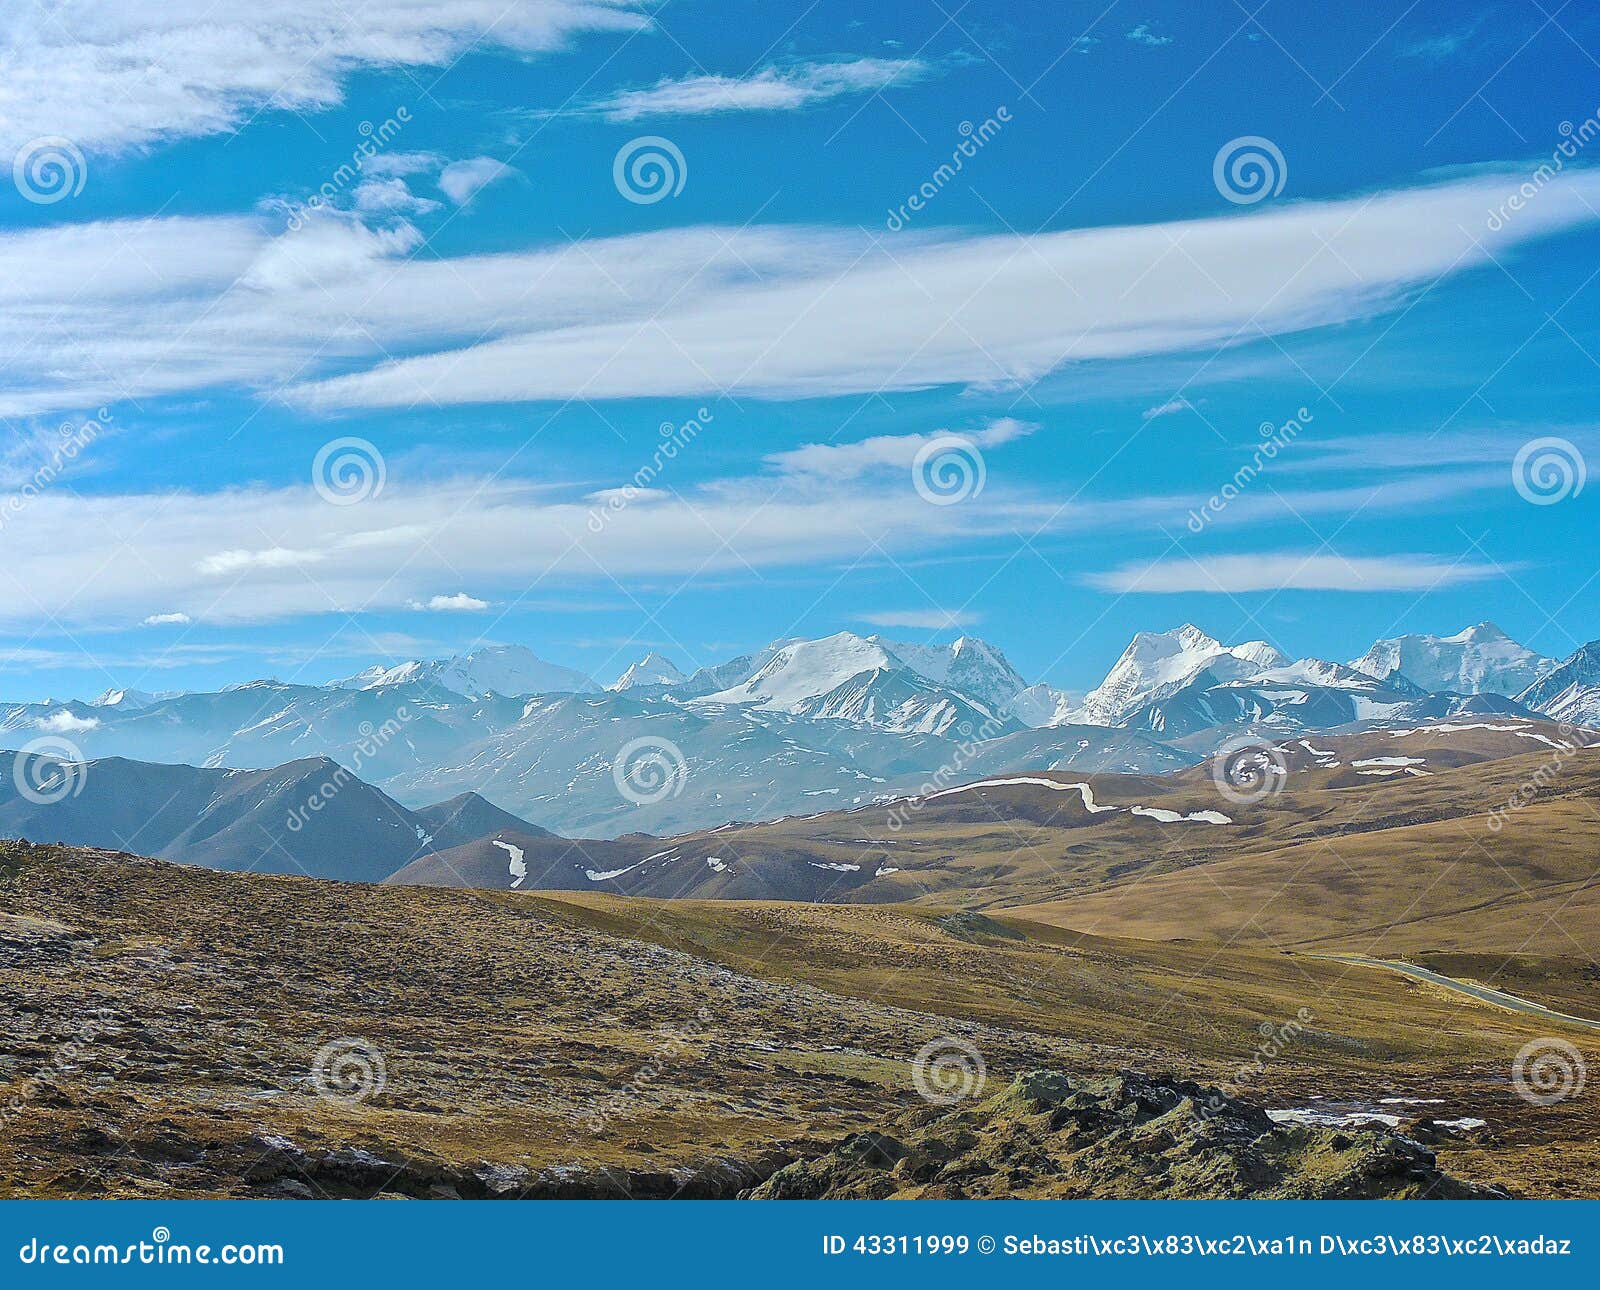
x,y
1479,659
899,700
1040,706
129,700
652,669
803,669
496,669
1570,691
1157,665
794,671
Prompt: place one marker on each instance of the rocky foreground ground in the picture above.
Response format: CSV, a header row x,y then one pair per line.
x,y
179,1032
1049,1135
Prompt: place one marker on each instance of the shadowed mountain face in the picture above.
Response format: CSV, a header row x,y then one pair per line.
x,y
308,817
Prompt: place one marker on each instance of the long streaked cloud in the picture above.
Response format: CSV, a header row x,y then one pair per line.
x,y
994,310
769,89
116,309
117,74
841,461
1291,571
275,554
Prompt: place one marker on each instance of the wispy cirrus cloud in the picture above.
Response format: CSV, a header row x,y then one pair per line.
x,y
97,312
770,89
461,181
114,75
1291,571
843,461
271,555
459,603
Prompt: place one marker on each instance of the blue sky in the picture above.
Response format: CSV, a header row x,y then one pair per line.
x,y
1089,312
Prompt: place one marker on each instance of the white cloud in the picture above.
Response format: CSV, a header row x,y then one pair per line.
x,y
851,460
1284,571
166,620
118,74
64,723
521,540
94,313
390,196
461,181
931,619
771,89
458,603
1145,34
993,310
277,557
1167,409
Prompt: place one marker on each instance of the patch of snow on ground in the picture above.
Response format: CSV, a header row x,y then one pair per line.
x,y
1173,817
1333,1119
517,865
712,862
835,865
1089,804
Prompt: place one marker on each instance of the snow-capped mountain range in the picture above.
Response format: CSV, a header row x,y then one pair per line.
x,y
1481,659
804,724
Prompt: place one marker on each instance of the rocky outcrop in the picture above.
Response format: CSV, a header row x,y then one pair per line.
x,y
1124,1136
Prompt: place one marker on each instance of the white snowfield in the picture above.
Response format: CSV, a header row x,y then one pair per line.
x,y
517,865
1089,804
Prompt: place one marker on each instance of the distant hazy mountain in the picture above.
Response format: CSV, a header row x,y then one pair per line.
x,y
651,671
792,673
496,669
307,817
130,699
899,700
798,727
1480,658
